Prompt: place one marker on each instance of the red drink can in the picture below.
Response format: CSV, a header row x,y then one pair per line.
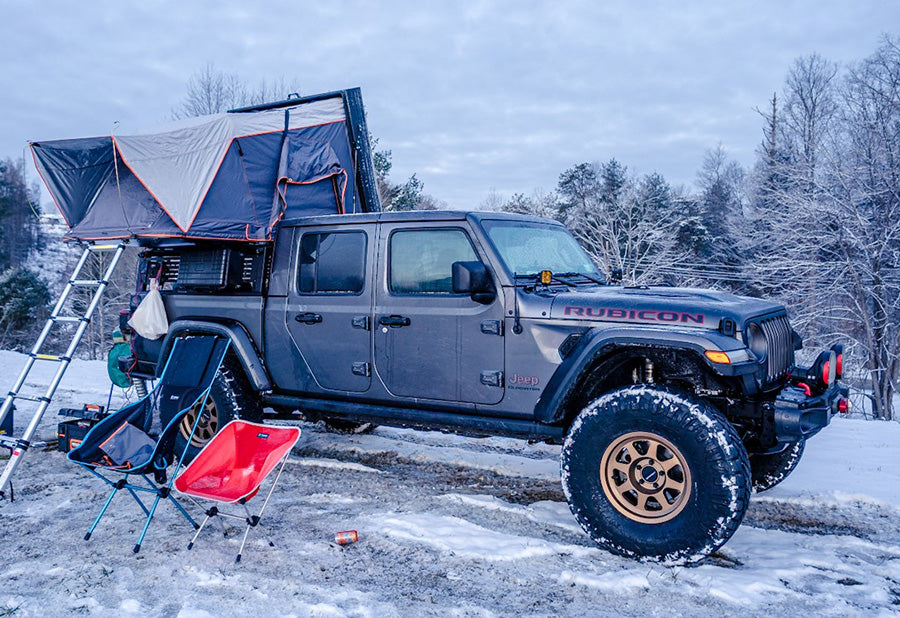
x,y
346,537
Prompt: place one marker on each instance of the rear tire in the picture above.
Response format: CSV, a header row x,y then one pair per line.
x,y
653,474
231,397
770,470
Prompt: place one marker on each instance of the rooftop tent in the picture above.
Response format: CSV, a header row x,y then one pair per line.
x,y
225,176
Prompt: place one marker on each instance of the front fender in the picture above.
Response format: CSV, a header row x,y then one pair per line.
x,y
240,342
600,341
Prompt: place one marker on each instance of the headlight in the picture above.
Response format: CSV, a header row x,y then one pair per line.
x,y
756,341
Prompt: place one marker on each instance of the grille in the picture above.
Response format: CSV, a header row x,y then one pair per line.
x,y
781,346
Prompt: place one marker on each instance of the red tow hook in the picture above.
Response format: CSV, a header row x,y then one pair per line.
x,y
806,388
843,405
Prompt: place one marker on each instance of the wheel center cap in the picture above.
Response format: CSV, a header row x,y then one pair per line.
x,y
650,474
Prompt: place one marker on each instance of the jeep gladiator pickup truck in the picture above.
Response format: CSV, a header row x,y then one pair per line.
x,y
671,405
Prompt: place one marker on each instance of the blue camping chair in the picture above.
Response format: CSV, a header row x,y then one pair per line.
x,y
139,440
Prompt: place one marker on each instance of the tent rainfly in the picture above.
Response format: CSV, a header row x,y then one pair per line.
x,y
228,176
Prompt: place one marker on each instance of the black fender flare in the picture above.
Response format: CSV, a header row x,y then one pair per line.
x,y
598,342
241,343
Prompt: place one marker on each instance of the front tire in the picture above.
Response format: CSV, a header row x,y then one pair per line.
x,y
231,397
653,474
769,470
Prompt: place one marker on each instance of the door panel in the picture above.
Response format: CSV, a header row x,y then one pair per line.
x,y
328,309
429,343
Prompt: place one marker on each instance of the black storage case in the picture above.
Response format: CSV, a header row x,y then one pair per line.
x,y
71,433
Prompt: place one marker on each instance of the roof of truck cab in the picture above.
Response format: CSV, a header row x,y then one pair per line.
x,y
411,216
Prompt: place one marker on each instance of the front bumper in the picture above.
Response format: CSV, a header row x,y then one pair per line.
x,y
799,416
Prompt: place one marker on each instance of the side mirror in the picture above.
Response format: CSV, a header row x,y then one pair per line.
x,y
472,278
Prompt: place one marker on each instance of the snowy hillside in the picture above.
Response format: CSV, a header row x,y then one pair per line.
x,y
448,526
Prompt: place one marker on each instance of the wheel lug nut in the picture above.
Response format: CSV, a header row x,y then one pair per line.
x,y
641,481
640,467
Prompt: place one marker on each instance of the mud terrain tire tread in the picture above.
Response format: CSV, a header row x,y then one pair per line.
x,y
769,470
234,398
709,443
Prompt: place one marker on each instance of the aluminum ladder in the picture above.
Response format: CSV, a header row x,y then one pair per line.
x,y
19,446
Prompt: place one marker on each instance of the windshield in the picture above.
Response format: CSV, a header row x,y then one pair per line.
x,y
528,248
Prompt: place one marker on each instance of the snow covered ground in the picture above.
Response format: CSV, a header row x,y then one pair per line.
x,y
448,526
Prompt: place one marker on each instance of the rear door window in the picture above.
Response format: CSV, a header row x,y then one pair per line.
x,y
332,263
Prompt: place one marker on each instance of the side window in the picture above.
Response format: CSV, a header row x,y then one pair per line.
x,y
422,260
332,263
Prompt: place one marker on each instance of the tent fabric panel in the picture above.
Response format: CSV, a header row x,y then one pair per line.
x,y
74,171
319,152
122,211
229,208
178,167
308,200
259,164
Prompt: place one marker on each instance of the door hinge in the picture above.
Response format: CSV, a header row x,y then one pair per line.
x,y
492,378
362,369
492,327
360,321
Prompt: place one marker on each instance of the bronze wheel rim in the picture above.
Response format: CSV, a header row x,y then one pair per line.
x,y
645,477
206,428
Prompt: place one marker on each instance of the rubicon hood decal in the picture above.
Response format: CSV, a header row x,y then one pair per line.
x,y
645,315
688,307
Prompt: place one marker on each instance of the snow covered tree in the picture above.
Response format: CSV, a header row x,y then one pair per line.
x,y
826,217
19,231
213,91
24,303
538,204
627,225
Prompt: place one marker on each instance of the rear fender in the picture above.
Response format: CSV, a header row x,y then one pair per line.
x,y
600,342
241,344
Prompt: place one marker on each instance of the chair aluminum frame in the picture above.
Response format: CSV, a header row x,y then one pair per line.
x,y
160,492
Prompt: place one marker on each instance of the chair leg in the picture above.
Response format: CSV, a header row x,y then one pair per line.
x,y
137,546
241,550
102,512
182,510
197,533
138,500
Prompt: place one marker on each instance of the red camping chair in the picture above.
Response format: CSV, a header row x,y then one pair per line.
x,y
233,465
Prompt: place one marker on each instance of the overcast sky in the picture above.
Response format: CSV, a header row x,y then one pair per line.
x,y
472,96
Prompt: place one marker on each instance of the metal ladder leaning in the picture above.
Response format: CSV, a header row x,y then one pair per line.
x,y
19,446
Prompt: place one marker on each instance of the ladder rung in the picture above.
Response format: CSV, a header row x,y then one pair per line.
x,y
87,281
69,318
13,443
104,247
51,357
29,398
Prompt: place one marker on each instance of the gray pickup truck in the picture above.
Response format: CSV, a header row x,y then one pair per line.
x,y
671,404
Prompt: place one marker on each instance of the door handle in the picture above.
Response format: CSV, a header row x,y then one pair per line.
x,y
308,318
395,321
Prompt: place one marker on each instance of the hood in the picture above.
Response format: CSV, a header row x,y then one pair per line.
x,y
689,307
